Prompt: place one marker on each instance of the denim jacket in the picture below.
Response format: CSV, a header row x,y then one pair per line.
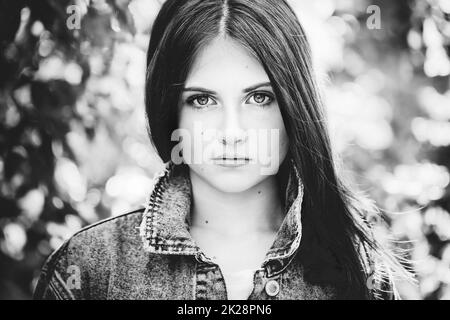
x,y
150,254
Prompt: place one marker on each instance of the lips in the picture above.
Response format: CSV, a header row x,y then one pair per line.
x,y
232,158
228,161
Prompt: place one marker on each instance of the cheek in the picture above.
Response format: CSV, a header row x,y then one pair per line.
x,y
284,143
274,121
196,129
273,143
185,119
197,120
284,138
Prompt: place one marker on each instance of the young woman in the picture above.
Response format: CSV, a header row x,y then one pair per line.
x,y
225,220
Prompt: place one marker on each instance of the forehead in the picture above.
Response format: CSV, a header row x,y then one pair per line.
x,y
224,61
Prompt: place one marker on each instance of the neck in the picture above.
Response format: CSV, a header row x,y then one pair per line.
x,y
254,210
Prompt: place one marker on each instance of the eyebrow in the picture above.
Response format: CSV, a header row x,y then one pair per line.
x,y
256,86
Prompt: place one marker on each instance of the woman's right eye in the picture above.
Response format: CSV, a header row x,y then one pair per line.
x,y
200,101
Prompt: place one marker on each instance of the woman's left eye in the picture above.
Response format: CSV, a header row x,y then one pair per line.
x,y
261,98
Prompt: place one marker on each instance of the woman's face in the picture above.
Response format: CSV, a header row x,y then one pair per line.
x,y
233,135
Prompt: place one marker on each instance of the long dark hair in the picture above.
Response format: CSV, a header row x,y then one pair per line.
x,y
336,240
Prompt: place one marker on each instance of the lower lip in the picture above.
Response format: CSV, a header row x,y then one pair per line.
x,y
231,162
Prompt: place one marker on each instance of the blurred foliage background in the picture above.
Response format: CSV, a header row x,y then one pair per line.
x,y
74,147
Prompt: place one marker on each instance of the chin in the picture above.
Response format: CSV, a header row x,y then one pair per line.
x,y
230,180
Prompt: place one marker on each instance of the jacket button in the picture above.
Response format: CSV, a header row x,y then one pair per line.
x,y
272,288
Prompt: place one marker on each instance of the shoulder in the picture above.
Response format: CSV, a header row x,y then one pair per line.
x,y
376,252
379,273
110,230
103,236
86,255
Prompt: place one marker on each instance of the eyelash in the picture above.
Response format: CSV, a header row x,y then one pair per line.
x,y
190,100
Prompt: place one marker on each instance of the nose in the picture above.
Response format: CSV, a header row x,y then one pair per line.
x,y
233,137
233,133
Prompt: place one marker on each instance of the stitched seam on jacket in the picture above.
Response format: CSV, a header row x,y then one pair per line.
x,y
149,224
59,287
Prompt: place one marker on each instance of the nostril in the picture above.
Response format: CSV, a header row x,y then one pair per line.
x,y
233,136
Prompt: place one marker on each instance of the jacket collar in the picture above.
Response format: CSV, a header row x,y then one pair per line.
x,y
165,224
